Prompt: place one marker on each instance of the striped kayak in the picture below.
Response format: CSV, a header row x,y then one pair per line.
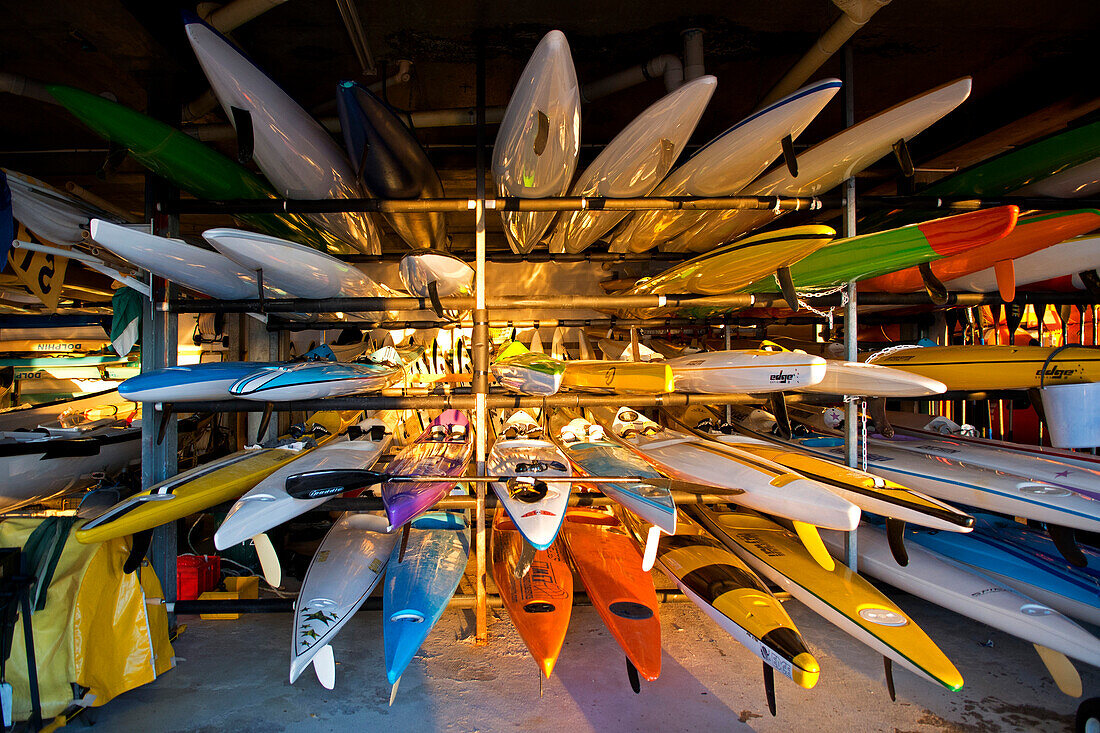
x,y
996,367
527,372
445,448
318,379
840,596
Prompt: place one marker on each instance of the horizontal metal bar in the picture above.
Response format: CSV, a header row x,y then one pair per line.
x,y
374,503
286,605
512,257
511,203
609,322
466,402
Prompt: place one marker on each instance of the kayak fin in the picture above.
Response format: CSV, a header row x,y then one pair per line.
x,y
888,667
895,535
404,541
786,286
246,138
769,688
1065,539
903,158
523,563
269,560
778,409
433,296
540,684
1061,670
265,420
789,157
585,346
138,549
811,538
632,675
162,425
536,343
324,666
393,691
652,540
932,285
1005,272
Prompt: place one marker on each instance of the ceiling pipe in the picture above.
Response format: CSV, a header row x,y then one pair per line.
x,y
667,66
358,38
24,87
693,53
226,18
856,13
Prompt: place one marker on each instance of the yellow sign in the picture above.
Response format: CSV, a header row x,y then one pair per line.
x,y
42,274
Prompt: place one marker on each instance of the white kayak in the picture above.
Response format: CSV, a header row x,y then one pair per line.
x,y
633,163
826,164
302,271
268,504
538,141
857,378
749,370
312,380
947,479
968,592
346,568
295,153
451,275
768,487
726,164
51,214
193,267
534,502
1063,260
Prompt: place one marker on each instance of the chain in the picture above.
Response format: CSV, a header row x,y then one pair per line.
x,y
890,350
863,433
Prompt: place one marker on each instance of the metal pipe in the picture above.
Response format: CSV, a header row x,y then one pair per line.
x,y
24,87
693,53
461,503
666,65
286,605
480,358
235,14
610,322
457,205
851,326
96,200
459,116
855,15
512,257
467,402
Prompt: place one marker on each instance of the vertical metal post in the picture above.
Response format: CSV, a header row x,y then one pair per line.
x,y
729,342
851,345
480,355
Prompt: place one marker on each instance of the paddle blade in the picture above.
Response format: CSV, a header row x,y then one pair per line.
x,y
319,484
1005,271
324,666
269,560
1061,670
650,555
811,538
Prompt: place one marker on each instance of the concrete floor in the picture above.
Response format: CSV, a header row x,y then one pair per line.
x,y
232,675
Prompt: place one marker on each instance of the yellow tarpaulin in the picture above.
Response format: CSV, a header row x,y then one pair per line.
x,y
101,628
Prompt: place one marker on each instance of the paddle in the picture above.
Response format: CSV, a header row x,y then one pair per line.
x,y
319,484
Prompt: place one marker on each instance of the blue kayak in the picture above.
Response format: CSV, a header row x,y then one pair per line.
x,y
1031,566
422,575
188,383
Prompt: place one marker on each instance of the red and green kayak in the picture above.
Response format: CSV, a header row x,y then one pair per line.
x,y
187,163
1032,233
871,255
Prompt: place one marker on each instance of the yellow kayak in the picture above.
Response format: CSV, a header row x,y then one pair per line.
x,y
213,483
967,368
619,377
726,590
841,596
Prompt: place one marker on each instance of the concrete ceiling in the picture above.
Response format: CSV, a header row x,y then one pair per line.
x,y
1033,66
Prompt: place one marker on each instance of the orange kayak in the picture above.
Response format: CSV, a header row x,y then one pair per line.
x,y
1032,233
540,602
609,563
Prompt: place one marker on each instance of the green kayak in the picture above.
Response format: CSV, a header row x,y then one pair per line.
x,y
188,164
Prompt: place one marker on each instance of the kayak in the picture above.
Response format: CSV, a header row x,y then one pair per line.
x,y
618,377
212,483
310,380
189,382
968,368
267,504
526,372
540,600
534,502
840,596
588,448
610,566
750,370
867,491
727,590
445,448
345,569
423,573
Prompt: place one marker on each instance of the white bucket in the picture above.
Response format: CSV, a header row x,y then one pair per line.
x,y
1073,414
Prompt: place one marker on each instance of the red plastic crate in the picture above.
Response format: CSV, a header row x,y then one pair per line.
x,y
196,574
